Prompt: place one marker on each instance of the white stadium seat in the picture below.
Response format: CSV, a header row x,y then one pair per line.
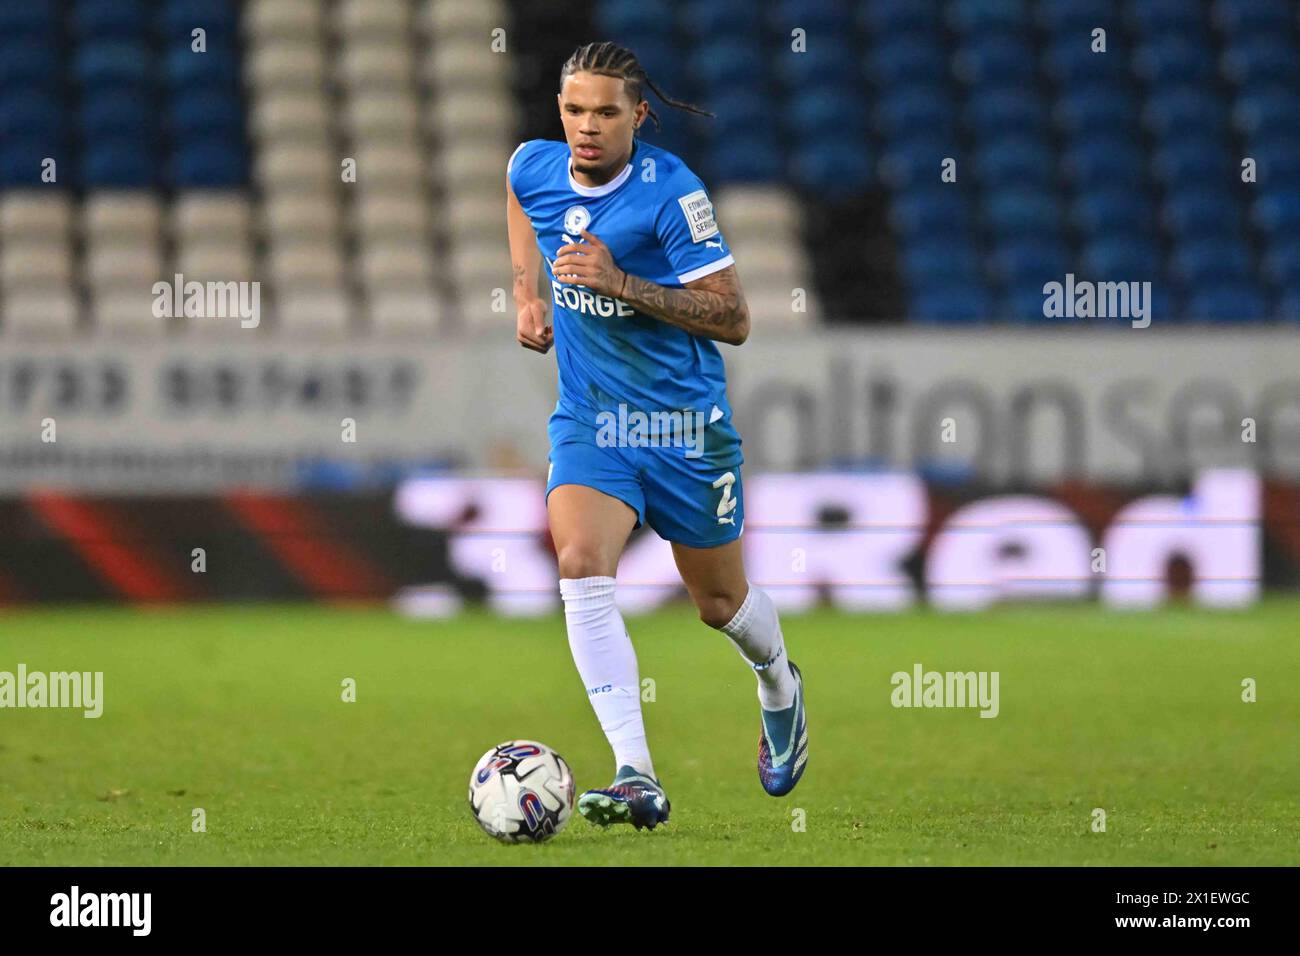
x,y
33,215
371,65
301,214
289,168
403,312
306,264
283,18
134,214
377,114
289,114
111,264
314,312
390,215
49,313
285,65
388,19
36,265
211,214
396,265
445,18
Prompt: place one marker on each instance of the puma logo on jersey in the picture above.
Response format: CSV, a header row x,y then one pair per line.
x,y
712,244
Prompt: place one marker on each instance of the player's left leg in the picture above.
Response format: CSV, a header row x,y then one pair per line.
x,y
729,602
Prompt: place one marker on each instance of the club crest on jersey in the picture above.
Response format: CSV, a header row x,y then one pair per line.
x,y
576,219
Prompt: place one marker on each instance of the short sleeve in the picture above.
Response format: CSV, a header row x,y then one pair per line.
x,y
688,230
522,169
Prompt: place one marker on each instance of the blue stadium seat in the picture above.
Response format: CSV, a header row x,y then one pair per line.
x,y
1006,111
739,112
983,16
996,58
632,20
1271,111
940,259
950,304
828,62
1018,160
1082,110
915,160
20,160
119,162
1117,257
1240,302
218,68
1282,261
819,112
1253,16
28,66
750,159
1167,60
1030,262
109,19
1261,59
929,108
1196,213
894,18
31,116
720,18
102,63
1113,210
29,19
1071,61
1184,108
1277,159
729,63
907,60
1278,212
1167,17
1211,260
219,18
108,110
206,115
1288,305
1105,160
924,213
1192,161
204,163
1024,213
834,170
815,16
1078,17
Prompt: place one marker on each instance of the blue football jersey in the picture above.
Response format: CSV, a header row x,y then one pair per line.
x,y
658,222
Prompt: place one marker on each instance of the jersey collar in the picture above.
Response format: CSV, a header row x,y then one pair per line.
x,y
603,190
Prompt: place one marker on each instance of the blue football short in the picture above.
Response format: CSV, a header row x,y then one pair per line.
x,y
687,498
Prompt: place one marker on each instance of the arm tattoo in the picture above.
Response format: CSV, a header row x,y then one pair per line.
x,y
713,306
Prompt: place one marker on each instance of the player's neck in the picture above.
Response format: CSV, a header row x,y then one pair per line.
x,y
594,181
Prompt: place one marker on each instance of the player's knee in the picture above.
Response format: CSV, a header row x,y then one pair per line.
x,y
717,610
583,561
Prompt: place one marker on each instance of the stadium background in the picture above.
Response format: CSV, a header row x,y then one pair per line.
x,y
378,437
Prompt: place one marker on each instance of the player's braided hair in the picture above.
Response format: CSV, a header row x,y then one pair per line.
x,y
610,59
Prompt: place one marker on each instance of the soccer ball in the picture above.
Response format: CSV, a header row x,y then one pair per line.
x,y
521,792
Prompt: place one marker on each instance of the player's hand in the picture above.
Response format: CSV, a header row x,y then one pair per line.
x,y
531,329
588,264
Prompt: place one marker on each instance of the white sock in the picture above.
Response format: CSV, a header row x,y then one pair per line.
x,y
756,632
603,652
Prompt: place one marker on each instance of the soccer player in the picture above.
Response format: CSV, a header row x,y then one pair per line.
x,y
642,284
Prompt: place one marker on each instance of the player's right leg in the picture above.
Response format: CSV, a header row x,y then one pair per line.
x,y
590,528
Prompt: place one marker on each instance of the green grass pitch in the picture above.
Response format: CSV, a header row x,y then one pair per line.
x,y
238,711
